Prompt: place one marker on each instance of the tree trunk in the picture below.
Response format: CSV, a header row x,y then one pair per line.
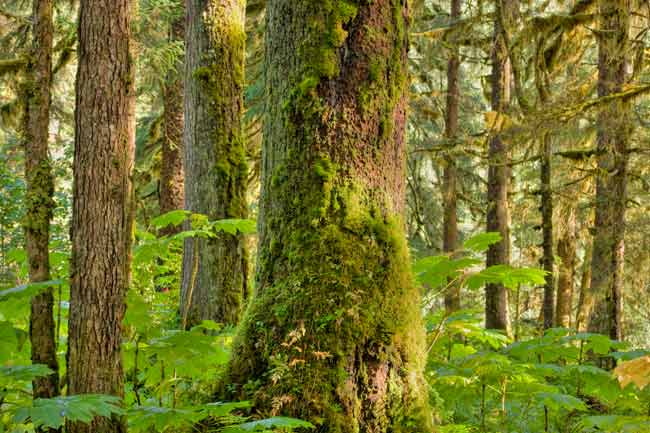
x,y
499,171
172,193
611,179
450,223
215,285
585,299
334,333
566,250
39,202
102,215
548,257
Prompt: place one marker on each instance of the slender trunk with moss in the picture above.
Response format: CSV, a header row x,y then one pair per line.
x,y
38,200
172,193
499,171
215,159
566,250
102,213
333,334
450,223
585,299
611,178
548,256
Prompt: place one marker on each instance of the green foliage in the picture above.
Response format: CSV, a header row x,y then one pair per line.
x,y
53,412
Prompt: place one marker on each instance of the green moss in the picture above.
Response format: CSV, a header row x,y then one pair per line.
x,y
38,199
336,307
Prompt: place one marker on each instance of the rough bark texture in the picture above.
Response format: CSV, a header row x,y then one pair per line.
x,y
450,223
172,192
334,333
548,256
38,200
611,178
102,218
566,250
499,171
214,283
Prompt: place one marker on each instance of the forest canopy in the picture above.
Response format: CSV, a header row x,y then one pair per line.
x,y
344,216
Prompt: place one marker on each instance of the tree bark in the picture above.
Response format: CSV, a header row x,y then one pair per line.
x,y
450,223
585,299
499,170
216,288
566,250
548,257
334,333
39,201
611,179
172,192
102,218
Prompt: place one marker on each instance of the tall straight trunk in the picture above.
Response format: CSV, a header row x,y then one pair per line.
x,y
334,333
172,192
548,257
39,202
450,223
215,285
499,171
585,298
102,212
611,179
566,250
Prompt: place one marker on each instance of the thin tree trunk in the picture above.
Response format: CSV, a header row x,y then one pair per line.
x,y
334,333
215,159
548,257
585,300
450,240
172,193
102,215
499,171
39,202
611,179
566,250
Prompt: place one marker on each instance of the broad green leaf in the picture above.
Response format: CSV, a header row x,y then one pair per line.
x,y
53,412
173,218
25,373
28,290
277,422
481,242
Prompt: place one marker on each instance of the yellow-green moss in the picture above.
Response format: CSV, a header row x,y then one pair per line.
x,y
336,285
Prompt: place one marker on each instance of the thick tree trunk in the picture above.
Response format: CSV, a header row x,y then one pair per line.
x,y
172,192
611,178
102,215
39,202
215,285
499,171
566,250
548,257
334,333
450,223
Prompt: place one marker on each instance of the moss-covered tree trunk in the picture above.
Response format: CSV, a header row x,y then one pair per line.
x,y
450,175
585,298
334,334
548,255
102,214
611,179
172,192
215,271
499,171
566,250
39,202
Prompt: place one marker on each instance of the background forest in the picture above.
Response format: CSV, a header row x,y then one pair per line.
x,y
335,216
